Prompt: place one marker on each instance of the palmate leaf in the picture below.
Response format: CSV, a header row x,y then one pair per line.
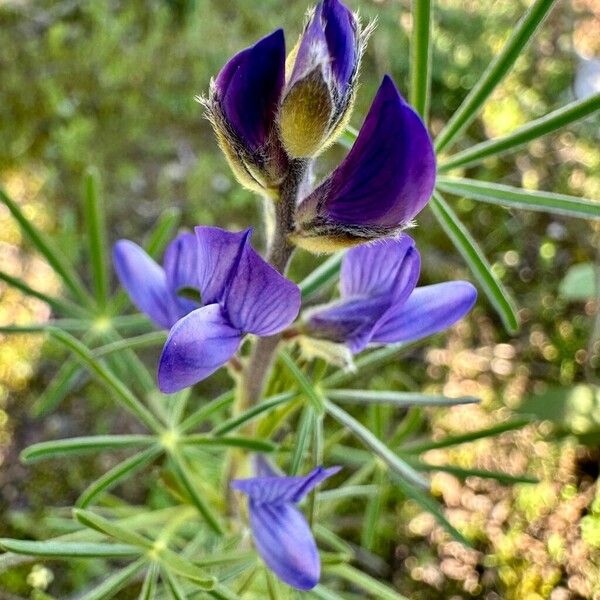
x,y
420,56
473,256
572,112
494,74
512,197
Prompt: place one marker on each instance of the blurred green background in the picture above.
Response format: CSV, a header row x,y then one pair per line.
x,y
112,84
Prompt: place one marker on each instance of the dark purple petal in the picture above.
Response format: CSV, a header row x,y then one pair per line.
x,y
389,174
428,310
181,268
349,322
259,299
197,346
218,254
249,87
285,542
389,266
341,32
145,282
276,490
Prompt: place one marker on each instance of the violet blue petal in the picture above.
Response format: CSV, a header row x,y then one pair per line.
x,y
181,268
340,31
198,345
312,51
389,174
274,489
218,253
428,310
259,299
249,87
349,322
145,282
389,266
285,542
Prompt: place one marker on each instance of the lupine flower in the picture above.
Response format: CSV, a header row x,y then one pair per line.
x,y
281,534
384,181
322,69
241,293
242,107
159,292
379,303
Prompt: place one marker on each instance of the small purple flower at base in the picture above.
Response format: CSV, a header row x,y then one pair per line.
x,y
281,534
385,180
241,294
379,303
157,291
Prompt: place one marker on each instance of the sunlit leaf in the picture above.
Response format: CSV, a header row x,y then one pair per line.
x,y
420,56
353,396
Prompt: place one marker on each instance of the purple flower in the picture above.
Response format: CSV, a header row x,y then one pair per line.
x,y
241,294
159,291
281,534
385,180
242,107
379,303
323,69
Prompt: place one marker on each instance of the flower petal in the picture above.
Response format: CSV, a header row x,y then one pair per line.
x,y
259,299
387,177
218,254
249,87
428,310
181,268
285,542
341,33
145,282
198,345
350,322
383,267
274,489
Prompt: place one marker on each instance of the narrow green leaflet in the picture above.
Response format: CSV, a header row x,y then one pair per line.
x,y
95,220
370,585
150,582
60,306
253,444
369,530
303,435
374,444
207,410
322,276
254,412
58,549
112,529
493,75
473,256
353,396
580,109
145,340
303,382
115,583
183,473
175,588
74,325
420,56
512,197
463,473
429,504
472,436
120,392
54,257
118,473
79,445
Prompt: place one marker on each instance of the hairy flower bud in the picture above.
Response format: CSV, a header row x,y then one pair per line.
x,y
322,71
242,105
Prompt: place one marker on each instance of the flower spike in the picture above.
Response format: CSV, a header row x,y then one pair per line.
x,y
281,534
386,179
